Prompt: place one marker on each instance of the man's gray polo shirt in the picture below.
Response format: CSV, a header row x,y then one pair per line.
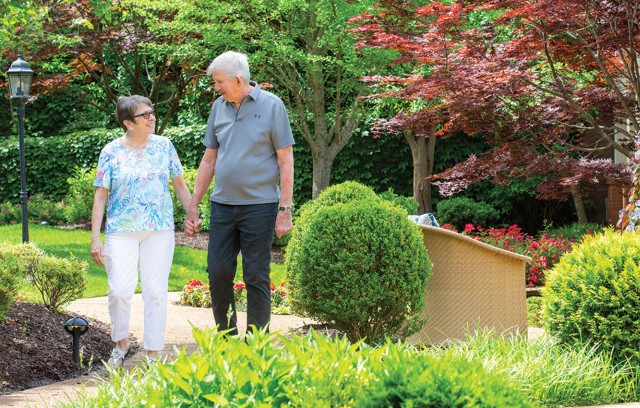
x,y
246,169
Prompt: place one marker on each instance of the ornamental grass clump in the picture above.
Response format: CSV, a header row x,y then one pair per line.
x,y
593,295
362,268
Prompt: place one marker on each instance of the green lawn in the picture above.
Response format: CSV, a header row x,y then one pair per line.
x,y
188,263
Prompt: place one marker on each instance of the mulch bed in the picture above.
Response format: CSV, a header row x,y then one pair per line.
x,y
35,349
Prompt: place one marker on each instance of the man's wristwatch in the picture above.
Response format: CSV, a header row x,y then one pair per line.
x,y
286,208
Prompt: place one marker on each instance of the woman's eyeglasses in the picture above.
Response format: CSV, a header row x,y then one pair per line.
x,y
145,115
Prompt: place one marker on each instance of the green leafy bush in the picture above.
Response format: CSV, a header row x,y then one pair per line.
x,y
408,203
339,193
534,306
14,262
9,279
79,199
459,211
42,209
575,231
593,294
10,213
402,380
270,370
59,281
363,269
39,208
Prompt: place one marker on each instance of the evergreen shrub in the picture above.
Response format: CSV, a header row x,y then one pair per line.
x,y
338,193
593,294
459,211
363,269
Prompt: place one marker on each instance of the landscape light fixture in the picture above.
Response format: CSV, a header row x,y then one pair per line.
x,y
19,77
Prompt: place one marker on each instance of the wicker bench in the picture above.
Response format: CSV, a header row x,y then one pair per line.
x,y
473,285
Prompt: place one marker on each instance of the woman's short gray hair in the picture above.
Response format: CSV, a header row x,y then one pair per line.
x,y
126,107
234,64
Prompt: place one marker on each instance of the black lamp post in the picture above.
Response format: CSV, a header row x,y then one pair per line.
x,y
19,76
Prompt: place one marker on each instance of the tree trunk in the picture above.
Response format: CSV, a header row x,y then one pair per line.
x,y
422,152
579,203
322,165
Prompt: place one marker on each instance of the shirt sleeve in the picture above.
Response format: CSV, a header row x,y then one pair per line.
x,y
210,139
282,135
175,167
103,172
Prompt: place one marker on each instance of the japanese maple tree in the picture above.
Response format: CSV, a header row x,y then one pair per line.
x,y
552,85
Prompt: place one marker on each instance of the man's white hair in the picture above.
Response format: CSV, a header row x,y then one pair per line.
x,y
233,64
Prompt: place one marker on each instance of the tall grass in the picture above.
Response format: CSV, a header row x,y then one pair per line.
x,y
188,263
552,374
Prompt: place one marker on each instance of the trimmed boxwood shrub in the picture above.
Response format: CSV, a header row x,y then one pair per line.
x,y
363,269
593,294
338,193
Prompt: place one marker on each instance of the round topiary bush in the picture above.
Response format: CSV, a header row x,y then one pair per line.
x,y
593,294
362,268
336,194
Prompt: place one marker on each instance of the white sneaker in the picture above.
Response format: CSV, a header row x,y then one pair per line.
x,y
118,356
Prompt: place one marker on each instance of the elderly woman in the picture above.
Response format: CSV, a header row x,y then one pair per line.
x,y
132,181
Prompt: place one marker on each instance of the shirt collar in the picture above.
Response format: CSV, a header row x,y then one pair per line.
x,y
255,91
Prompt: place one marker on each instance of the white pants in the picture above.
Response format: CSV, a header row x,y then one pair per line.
x,y
150,253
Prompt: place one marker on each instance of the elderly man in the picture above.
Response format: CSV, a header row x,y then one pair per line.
x,y
249,149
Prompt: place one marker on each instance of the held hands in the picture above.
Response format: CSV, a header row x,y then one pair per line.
x,y
192,223
97,251
284,223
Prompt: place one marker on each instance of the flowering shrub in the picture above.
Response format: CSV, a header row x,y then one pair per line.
x,y
196,294
545,251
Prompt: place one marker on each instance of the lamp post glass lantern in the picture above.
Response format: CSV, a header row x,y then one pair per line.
x,y
19,77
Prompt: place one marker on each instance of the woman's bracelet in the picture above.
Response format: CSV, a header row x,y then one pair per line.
x,y
95,239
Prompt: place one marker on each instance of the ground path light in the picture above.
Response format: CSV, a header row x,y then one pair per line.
x,y
76,326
